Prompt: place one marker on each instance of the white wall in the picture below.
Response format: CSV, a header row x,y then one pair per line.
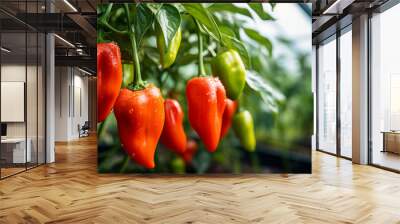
x,y
34,125
12,73
80,100
71,94
61,103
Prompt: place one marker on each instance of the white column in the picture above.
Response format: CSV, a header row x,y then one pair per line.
x,y
360,90
50,92
50,99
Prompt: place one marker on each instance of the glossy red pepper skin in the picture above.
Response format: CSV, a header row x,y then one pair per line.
x,y
140,119
191,149
109,78
206,103
229,111
173,135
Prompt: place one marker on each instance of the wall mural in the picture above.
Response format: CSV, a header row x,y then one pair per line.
x,y
203,88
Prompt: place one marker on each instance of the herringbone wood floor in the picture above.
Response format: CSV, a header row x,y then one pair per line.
x,y
71,191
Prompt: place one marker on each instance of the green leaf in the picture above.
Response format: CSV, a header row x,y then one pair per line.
x,y
230,41
180,7
227,30
152,54
258,8
204,17
154,7
202,160
256,36
169,20
143,21
101,9
227,35
187,59
229,7
208,5
233,43
267,92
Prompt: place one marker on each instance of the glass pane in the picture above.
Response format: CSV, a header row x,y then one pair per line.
x,y
41,99
346,94
13,86
386,89
23,87
327,97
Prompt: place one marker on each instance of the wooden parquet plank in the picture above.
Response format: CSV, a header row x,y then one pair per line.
x,y
71,191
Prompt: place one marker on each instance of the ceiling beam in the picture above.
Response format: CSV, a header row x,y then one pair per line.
x,y
79,61
89,30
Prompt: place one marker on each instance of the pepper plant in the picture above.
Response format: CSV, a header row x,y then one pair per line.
x,y
167,116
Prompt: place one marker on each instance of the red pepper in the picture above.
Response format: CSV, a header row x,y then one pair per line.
x,y
191,149
140,118
206,103
173,135
229,111
109,78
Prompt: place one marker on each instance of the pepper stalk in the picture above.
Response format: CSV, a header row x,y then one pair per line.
x,y
139,83
202,71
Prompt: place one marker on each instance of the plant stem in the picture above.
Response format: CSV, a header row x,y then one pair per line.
x,y
125,164
139,84
202,71
138,76
100,34
106,24
211,51
104,21
109,7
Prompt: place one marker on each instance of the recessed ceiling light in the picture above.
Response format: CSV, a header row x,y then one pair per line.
x,y
337,7
5,50
70,5
65,41
84,71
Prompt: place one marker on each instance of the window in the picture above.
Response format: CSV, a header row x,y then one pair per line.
x,y
385,89
346,93
327,96
22,77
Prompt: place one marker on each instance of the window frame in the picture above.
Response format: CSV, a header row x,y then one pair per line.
x,y
378,10
334,37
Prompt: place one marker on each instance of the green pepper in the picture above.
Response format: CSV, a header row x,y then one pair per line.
x,y
230,69
167,56
243,126
178,165
127,75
